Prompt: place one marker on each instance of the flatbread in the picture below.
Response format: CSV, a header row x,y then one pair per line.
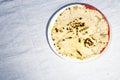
x,y
80,32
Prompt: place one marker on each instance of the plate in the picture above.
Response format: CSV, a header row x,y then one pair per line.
x,y
78,32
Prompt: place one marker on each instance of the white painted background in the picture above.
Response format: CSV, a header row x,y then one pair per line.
x,y
24,51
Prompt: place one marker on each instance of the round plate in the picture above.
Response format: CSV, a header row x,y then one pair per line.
x,y
78,32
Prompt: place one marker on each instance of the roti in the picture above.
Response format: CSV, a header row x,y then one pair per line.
x,y
80,32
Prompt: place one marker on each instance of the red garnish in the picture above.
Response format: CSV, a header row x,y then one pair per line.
x,y
102,50
108,32
90,7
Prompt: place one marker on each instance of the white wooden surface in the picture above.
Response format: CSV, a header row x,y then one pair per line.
x,y
24,51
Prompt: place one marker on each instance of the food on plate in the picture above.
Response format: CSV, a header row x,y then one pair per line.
x,y
80,31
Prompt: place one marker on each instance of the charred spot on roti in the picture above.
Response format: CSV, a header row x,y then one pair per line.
x,y
59,48
63,39
104,42
71,54
69,37
93,38
82,24
103,34
88,42
101,42
86,32
61,30
79,52
75,7
67,28
80,18
83,29
61,14
79,40
76,31
53,39
75,23
69,8
67,24
56,29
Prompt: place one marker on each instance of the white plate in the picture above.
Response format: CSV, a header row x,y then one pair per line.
x,y
51,24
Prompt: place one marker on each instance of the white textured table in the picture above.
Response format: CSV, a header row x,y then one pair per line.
x,y
24,51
